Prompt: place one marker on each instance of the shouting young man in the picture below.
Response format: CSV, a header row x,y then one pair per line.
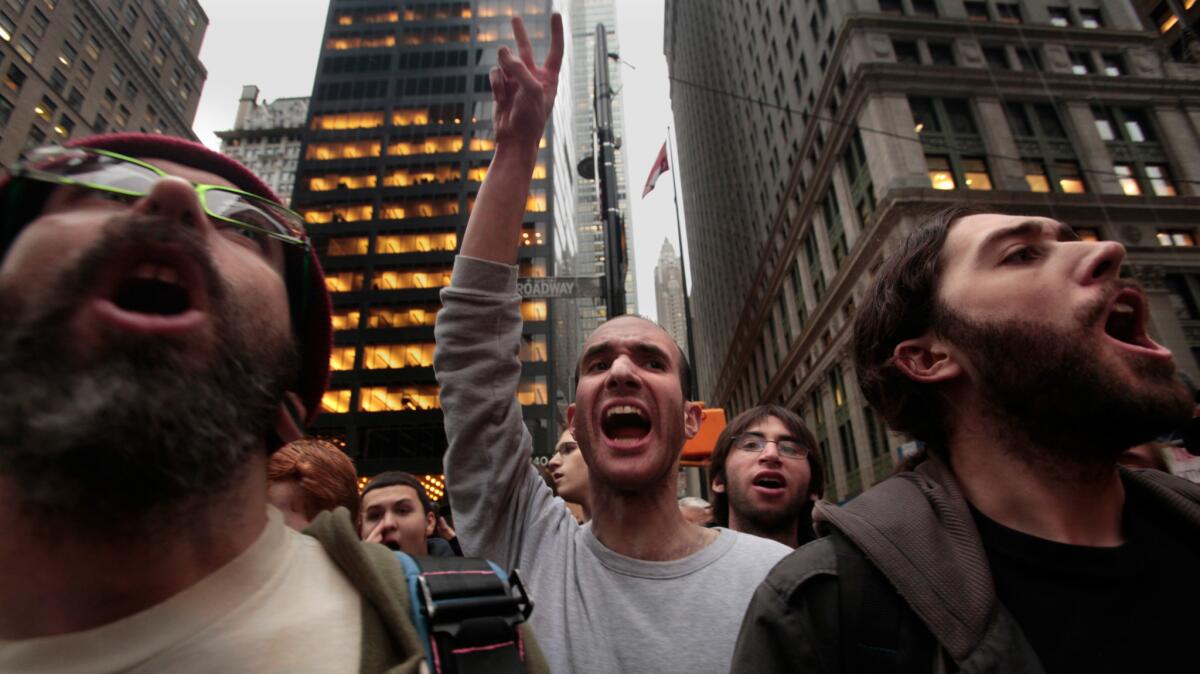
x,y
1022,360
766,474
638,588
164,325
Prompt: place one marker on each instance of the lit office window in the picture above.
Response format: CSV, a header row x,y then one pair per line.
x,y
533,310
334,181
336,401
360,42
349,245
430,145
399,398
533,392
422,175
344,319
350,150
533,349
940,175
343,282
1176,237
397,356
419,208
403,279
348,120
341,358
415,243
976,174
402,316
1129,184
355,213
1160,180
1035,176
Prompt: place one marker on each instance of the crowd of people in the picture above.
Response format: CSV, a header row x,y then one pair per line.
x,y
165,337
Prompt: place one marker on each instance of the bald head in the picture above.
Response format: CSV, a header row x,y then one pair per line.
x,y
614,326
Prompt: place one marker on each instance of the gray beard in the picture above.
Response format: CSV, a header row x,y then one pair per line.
x,y
112,446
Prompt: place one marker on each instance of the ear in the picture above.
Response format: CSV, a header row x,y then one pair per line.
x,y
926,359
430,523
718,484
692,413
571,418
289,418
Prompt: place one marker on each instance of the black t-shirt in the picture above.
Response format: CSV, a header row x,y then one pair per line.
x,y
1133,608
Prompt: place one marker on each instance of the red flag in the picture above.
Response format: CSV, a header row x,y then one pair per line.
x,y
660,167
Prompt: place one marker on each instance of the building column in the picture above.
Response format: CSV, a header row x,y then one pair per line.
x,y
1007,171
894,162
1179,141
1093,153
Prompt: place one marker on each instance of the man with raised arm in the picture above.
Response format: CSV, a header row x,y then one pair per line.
x,y
638,588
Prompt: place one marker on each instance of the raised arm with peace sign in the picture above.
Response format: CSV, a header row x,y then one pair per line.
x,y
524,95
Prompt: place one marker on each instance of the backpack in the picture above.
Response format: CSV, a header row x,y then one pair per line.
x,y
467,613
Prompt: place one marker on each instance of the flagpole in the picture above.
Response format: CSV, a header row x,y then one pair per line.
x,y
687,304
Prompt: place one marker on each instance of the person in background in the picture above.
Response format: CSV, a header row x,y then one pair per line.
x,y
569,472
309,476
696,510
396,512
766,473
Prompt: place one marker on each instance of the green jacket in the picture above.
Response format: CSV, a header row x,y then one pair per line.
x,y
921,598
389,641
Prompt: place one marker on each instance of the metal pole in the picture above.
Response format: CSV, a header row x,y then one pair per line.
x,y
687,304
614,229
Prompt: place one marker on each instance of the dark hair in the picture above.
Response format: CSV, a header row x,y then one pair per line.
x,y
322,471
393,478
795,426
902,303
685,366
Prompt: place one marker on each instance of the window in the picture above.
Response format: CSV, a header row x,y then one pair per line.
x,y
1090,18
906,52
341,358
1087,234
924,8
975,174
940,175
403,316
1113,64
976,11
1081,62
7,27
357,245
26,48
941,53
1008,12
336,401
343,282
1125,176
1035,176
92,48
67,55
399,398
996,58
14,78
1164,17
892,7
38,22
1059,16
348,150
45,109
6,109
345,319
1160,180
1070,177
57,80
1176,237
1104,124
397,356
1029,58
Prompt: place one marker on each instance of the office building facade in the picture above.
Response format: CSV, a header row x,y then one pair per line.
x,y
854,118
266,137
71,68
397,142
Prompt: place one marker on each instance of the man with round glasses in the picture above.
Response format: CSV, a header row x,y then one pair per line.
x,y
766,472
164,327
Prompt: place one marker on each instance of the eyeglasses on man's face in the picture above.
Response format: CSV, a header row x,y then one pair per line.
x,y
755,443
128,178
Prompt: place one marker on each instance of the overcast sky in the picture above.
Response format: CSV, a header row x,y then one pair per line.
x,y
274,44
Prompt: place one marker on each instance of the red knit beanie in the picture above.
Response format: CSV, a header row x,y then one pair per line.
x,y
307,296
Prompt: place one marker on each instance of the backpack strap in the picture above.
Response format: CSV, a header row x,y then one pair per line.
x,y
880,633
468,614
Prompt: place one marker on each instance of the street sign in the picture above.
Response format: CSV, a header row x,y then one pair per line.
x,y
551,287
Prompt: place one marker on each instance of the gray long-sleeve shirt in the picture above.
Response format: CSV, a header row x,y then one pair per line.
x,y
595,610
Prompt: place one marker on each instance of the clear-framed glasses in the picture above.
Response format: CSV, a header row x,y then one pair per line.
x,y
128,177
755,443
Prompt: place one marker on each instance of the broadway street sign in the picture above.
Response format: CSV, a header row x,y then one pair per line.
x,y
551,287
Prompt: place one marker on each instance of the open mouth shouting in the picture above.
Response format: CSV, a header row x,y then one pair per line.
x,y
1125,324
769,483
153,289
625,425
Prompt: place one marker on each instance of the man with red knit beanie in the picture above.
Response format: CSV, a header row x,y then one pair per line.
x,y
164,327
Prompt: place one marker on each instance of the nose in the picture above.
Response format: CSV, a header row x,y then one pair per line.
x,y
174,198
555,461
770,452
622,373
1101,262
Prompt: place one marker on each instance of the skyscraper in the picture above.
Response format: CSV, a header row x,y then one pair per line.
x,y
668,294
398,139
267,138
813,135
584,16
70,69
